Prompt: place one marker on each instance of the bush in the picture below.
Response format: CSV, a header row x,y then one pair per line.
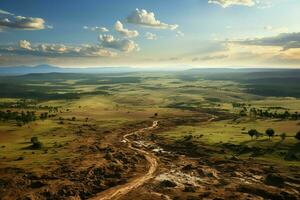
x,y
297,136
34,140
283,136
36,144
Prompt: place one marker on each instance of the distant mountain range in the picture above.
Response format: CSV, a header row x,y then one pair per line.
x,y
20,70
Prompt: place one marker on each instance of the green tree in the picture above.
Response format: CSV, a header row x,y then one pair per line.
x,y
270,132
297,136
252,132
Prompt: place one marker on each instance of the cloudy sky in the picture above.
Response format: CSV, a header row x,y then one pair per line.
x,y
144,33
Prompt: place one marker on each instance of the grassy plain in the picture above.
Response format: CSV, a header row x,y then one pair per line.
x,y
93,106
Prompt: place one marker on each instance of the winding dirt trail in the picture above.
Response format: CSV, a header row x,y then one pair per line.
x,y
121,190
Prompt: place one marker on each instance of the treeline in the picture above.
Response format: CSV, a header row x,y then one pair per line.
x,y
23,117
254,112
270,133
23,103
19,117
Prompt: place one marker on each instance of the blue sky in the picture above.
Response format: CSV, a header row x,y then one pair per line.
x,y
198,33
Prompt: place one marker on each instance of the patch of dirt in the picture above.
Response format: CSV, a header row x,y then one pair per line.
x,y
103,162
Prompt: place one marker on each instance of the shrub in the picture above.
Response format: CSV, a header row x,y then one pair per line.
x,y
297,136
283,136
36,144
34,140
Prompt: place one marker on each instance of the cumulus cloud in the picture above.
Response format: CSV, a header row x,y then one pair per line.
x,y
283,40
24,44
20,22
96,28
125,32
56,50
126,45
144,18
228,3
150,36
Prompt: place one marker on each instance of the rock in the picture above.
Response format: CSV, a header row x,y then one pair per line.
x,y
189,188
167,183
108,156
188,167
274,180
20,158
37,184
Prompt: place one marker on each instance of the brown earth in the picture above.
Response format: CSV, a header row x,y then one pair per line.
x,y
133,163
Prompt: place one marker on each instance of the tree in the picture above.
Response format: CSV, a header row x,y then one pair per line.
x,y
243,113
252,132
297,136
270,132
36,144
283,136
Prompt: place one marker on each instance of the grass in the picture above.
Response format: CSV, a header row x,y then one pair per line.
x,y
136,97
235,132
17,140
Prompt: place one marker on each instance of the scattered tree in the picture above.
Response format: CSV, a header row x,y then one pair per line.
x,y
252,132
270,132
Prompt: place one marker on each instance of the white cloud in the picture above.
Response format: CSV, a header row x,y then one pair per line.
x,y
20,22
56,50
96,28
24,44
125,32
108,41
145,18
228,3
284,40
258,3
150,36
3,12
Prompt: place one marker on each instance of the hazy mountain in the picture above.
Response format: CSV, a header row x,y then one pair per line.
x,y
20,70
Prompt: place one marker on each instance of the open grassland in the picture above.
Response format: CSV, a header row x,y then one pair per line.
x,y
71,125
112,100
233,136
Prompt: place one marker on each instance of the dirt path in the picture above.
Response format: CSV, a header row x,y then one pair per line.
x,y
121,190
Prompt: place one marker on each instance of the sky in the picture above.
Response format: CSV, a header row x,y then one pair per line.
x,y
144,33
